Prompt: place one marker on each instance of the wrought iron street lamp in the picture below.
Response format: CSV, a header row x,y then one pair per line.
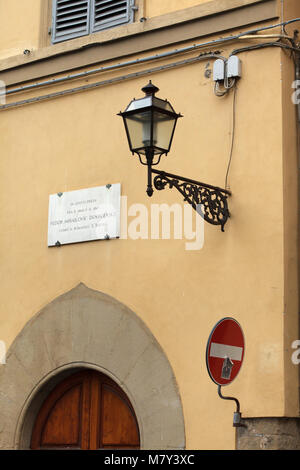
x,y
150,124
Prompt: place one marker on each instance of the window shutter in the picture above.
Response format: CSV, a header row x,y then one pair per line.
x,y
71,18
109,13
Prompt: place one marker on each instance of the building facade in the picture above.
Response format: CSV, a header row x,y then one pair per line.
x,y
104,338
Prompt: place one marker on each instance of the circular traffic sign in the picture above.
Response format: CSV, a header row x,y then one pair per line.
x,y
225,351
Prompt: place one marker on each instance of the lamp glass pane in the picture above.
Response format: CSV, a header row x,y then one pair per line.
x,y
163,104
164,126
139,129
141,103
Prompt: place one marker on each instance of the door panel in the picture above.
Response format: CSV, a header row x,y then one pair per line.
x,y
86,411
118,422
63,424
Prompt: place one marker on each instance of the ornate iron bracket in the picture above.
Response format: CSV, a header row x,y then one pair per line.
x,y
209,201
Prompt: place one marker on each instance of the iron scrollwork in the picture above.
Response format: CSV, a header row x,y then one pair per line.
x,y
209,201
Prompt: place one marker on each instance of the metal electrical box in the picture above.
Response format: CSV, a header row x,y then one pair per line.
x,y
234,67
219,70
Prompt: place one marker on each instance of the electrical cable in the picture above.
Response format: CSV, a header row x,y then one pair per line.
x,y
235,52
217,90
204,56
149,58
228,85
232,135
264,45
201,57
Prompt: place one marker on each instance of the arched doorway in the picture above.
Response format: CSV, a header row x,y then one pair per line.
x,y
82,330
88,411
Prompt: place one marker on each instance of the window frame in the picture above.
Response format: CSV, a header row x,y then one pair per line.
x,y
91,28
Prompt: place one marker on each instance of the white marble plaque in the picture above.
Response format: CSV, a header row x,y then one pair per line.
x,y
84,215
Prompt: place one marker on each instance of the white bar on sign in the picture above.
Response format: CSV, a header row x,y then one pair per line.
x,y
224,350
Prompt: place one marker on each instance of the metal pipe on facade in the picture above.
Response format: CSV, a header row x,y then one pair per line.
x,y
266,36
107,68
263,46
146,59
144,72
91,86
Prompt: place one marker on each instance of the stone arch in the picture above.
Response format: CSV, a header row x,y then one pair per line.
x,y
86,328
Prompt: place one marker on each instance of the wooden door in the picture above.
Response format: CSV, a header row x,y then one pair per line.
x,y
86,411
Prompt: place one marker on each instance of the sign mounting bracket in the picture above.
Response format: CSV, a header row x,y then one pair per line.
x,y
237,415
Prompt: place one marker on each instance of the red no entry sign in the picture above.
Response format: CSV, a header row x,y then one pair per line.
x,y
225,351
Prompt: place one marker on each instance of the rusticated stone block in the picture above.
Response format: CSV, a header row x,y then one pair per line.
x,y
269,434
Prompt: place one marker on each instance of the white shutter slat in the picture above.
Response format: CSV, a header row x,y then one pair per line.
x,y
109,13
71,19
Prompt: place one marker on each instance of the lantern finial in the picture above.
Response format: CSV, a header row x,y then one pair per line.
x,y
150,89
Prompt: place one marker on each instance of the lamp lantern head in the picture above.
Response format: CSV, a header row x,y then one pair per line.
x,y
150,124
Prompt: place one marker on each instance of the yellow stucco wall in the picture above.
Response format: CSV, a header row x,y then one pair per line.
x,y
70,143
33,18
20,26
156,7
290,10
